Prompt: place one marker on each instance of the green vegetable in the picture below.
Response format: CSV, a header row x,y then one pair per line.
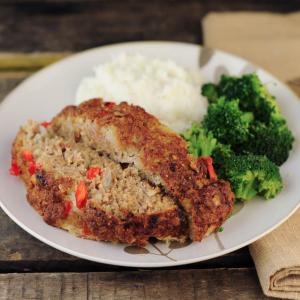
x,y
245,134
210,91
221,154
227,122
253,95
249,174
274,140
200,142
251,124
252,175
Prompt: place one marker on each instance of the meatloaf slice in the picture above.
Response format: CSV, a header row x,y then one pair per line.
x,y
81,189
127,134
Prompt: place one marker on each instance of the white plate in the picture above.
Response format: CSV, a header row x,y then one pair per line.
x,y
43,95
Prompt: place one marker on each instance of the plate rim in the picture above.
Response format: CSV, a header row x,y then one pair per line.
x,y
124,262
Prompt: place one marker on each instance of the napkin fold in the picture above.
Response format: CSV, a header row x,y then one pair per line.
x,y
273,42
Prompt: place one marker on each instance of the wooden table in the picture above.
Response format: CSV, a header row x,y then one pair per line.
x,y
32,35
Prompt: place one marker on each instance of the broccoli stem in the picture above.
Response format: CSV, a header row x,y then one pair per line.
x,y
248,190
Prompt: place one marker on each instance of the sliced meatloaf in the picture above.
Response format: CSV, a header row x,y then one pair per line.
x,y
115,173
126,134
83,190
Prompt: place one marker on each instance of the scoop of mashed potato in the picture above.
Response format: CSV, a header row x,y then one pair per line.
x,y
161,87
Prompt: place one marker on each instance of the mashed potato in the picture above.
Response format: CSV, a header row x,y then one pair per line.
x,y
162,88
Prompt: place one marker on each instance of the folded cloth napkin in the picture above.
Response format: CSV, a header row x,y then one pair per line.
x,y
273,42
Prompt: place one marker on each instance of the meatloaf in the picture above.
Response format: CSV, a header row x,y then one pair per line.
x,y
115,173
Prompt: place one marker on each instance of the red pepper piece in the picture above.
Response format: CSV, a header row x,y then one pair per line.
x,y
210,168
92,172
45,124
86,230
31,167
68,208
109,105
27,155
14,168
81,195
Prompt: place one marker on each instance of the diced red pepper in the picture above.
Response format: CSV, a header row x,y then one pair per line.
x,y
32,167
92,172
14,168
210,168
109,105
68,208
86,230
27,155
45,124
81,195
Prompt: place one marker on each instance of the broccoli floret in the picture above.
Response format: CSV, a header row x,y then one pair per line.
x,y
220,155
210,91
253,95
227,122
274,140
252,175
200,142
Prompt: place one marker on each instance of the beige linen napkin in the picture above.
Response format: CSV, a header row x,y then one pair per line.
x,y
273,42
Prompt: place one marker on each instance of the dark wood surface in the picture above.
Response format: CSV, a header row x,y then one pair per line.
x,y
153,284
57,25
32,35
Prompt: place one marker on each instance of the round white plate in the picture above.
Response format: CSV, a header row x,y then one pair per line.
x,y
44,94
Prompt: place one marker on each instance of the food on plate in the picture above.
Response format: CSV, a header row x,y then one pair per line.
x,y
227,122
249,174
115,173
246,135
162,87
273,139
268,132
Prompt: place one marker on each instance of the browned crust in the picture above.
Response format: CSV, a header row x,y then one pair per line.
x,y
48,195
46,198
212,207
135,229
44,195
165,153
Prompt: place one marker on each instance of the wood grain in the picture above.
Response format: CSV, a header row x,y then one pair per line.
x,y
9,80
186,284
28,61
73,27
64,25
43,286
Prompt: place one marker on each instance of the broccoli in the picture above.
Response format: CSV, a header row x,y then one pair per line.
x,y
227,122
200,142
252,175
220,154
274,140
210,91
253,95
264,132
249,174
